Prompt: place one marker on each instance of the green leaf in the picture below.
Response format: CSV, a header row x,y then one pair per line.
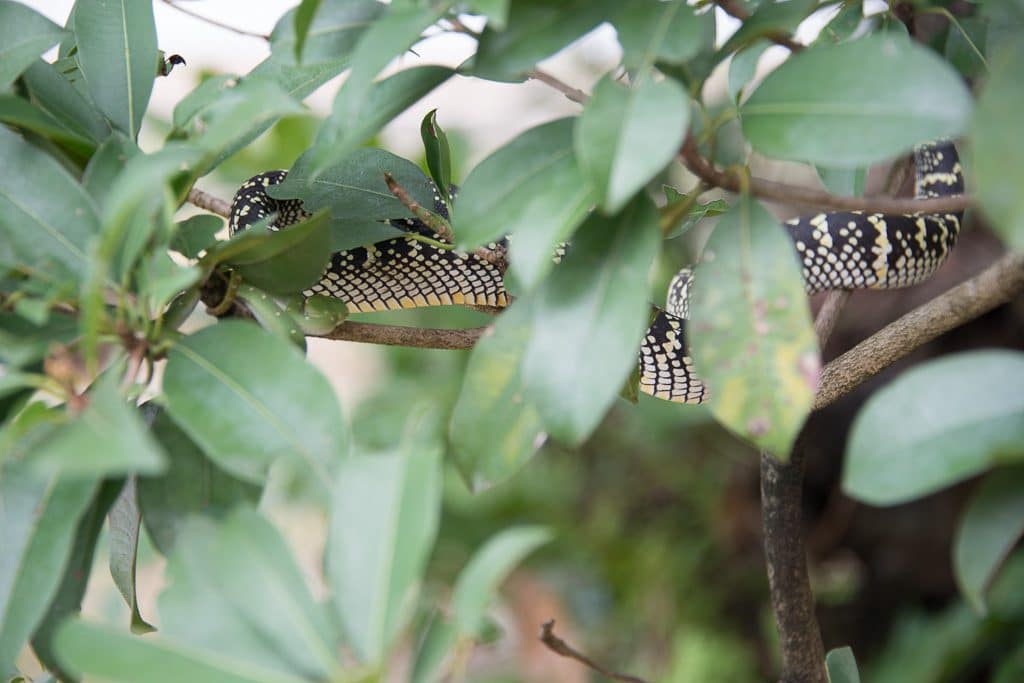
x,y
24,35
118,657
318,32
495,430
117,52
669,32
998,157
479,580
677,202
283,261
770,18
384,519
38,515
106,165
626,136
20,113
535,29
750,333
321,314
195,234
355,190
388,37
438,154
52,92
743,68
856,103
200,98
23,343
273,315
435,645
914,436
496,12
588,318
125,523
237,596
107,438
841,666
68,599
248,398
192,485
848,182
532,189
46,218
988,530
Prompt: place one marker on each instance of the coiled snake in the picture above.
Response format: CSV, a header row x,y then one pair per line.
x,y
838,250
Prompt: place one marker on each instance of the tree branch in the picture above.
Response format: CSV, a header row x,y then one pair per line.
x,y
208,202
560,647
996,285
794,194
214,22
574,94
397,335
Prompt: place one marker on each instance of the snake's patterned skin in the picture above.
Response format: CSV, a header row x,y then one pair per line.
x,y
838,250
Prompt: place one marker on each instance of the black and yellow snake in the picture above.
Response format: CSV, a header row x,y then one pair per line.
x,y
838,250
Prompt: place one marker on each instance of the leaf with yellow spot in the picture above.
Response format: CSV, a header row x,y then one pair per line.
x,y
751,337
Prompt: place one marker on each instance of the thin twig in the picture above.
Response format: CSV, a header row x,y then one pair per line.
x,y
778,37
397,335
436,223
999,283
560,647
574,94
793,194
214,22
206,201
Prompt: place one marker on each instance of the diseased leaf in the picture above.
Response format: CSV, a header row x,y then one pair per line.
x,y
626,136
494,427
117,52
588,318
856,103
913,437
988,530
532,189
248,409
24,35
750,332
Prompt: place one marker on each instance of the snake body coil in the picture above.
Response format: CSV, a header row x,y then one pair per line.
x,y
838,250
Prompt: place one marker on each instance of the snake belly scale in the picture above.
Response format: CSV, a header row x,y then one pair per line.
x,y
837,250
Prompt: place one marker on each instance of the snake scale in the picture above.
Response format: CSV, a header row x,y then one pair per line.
x,y
838,250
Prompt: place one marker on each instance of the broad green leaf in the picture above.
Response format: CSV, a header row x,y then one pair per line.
x,y
38,515
273,314
626,136
106,165
841,666
535,29
743,68
113,655
388,37
668,32
20,113
494,428
478,581
237,595
24,35
588,318
107,438
750,332
195,234
161,280
68,599
117,52
998,157
125,523
248,398
355,190
283,261
848,182
438,154
46,218
384,519
496,12
856,103
915,436
770,18
202,96
333,34
1011,668
52,92
192,485
532,189
988,530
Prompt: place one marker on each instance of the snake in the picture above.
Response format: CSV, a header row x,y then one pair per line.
x,y
837,250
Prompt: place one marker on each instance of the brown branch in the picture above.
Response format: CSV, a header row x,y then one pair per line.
x,y
778,37
574,94
206,201
994,286
397,335
794,194
828,315
214,22
560,647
